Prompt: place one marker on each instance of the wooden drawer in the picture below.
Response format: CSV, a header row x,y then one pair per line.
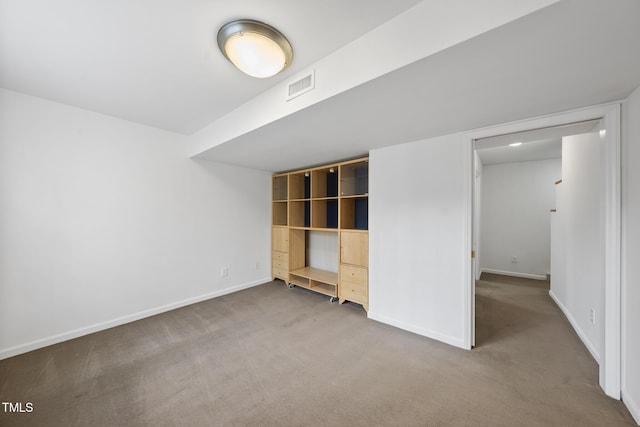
x,y
354,283
282,274
280,264
279,256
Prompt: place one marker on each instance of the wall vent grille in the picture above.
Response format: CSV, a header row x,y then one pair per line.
x,y
300,86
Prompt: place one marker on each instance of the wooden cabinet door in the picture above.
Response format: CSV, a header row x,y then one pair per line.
x,y
354,248
281,239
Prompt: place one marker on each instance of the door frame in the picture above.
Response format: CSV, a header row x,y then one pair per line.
x,y
610,363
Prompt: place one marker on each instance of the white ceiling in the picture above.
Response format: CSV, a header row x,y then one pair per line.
x,y
569,55
536,144
156,62
527,152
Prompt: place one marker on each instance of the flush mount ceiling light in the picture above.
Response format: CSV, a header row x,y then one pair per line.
x,y
255,48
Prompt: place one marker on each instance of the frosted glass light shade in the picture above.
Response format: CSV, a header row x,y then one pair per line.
x,y
255,48
255,54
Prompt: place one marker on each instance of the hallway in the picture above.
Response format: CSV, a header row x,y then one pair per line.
x,y
517,322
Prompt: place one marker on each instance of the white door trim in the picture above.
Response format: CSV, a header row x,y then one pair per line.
x,y
610,365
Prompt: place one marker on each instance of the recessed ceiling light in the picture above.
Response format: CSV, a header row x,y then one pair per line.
x,y
255,48
515,144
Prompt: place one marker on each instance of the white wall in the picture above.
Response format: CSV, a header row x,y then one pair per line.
x,y
516,200
419,260
103,221
322,250
579,288
418,272
631,254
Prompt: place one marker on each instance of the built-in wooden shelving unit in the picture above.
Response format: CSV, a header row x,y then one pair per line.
x,y
327,199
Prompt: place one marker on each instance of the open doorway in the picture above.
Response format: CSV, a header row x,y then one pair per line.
x,y
515,193
519,185
601,337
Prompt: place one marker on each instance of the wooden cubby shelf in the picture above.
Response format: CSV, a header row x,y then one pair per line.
x,y
300,213
300,186
354,178
354,214
325,182
279,212
321,281
320,218
280,188
325,213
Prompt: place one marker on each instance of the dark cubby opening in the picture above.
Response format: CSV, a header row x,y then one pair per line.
x,y
361,214
332,211
307,187
307,212
332,185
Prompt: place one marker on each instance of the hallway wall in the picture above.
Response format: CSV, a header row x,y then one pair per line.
x,y
579,287
516,200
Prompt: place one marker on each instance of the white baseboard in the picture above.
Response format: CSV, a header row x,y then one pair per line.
x,y
583,337
456,342
514,274
632,406
55,339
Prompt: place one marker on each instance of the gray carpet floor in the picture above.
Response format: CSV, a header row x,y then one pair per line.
x,y
273,356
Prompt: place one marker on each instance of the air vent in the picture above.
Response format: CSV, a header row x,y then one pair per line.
x,y
302,85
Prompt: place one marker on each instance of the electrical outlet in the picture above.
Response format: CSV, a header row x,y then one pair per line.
x,y
224,272
592,316
514,259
